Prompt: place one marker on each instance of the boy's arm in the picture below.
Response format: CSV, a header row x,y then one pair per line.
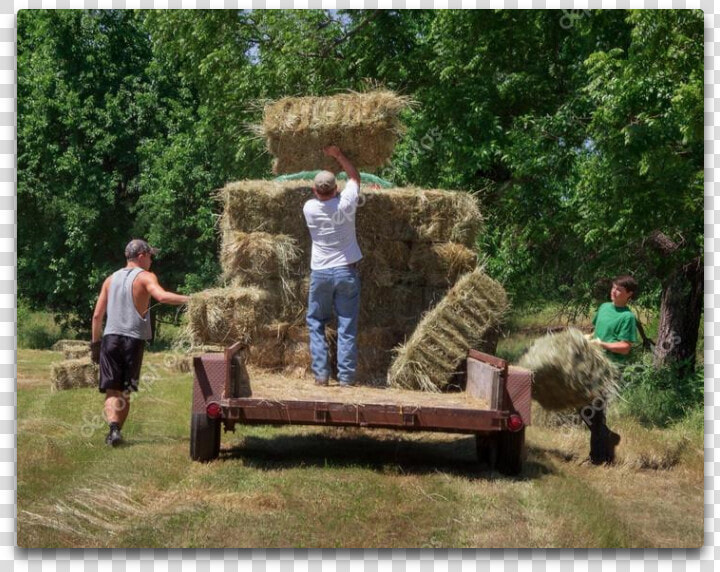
x,y
622,348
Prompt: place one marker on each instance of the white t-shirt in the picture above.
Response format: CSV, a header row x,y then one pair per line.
x,y
332,228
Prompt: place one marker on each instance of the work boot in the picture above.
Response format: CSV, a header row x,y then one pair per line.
x,y
613,441
114,437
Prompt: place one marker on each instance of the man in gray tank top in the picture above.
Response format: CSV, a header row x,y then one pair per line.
x,y
125,298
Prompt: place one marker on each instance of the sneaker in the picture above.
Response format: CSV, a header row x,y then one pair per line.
x,y
114,437
346,383
322,382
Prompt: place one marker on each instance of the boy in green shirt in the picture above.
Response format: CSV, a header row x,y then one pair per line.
x,y
615,327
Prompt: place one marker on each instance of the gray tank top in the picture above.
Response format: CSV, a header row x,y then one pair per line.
x,y
122,317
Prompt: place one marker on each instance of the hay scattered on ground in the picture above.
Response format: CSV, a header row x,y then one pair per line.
x,y
470,312
74,373
364,125
569,371
227,315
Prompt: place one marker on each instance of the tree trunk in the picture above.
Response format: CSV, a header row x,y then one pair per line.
x,y
680,313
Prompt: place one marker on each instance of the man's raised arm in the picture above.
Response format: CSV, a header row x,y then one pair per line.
x,y
335,152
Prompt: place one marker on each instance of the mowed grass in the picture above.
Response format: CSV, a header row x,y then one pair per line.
x,y
324,487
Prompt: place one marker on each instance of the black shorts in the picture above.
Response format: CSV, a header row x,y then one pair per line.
x,y
120,362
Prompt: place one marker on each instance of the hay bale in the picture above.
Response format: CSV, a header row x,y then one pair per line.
x,y
569,371
441,264
227,315
76,351
249,258
74,373
61,345
400,306
470,312
398,214
364,125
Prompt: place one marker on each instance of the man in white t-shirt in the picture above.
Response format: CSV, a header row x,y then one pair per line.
x,y
334,280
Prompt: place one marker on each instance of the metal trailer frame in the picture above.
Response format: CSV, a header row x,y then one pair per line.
x,y
500,442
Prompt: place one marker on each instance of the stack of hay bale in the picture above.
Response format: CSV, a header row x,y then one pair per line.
x,y
77,370
415,243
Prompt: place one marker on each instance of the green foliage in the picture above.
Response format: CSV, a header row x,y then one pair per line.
x,y
81,116
579,141
38,330
660,396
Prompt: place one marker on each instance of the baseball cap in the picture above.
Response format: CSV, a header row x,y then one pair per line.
x,y
324,182
138,246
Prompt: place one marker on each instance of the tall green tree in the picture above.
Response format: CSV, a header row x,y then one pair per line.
x,y
641,179
81,116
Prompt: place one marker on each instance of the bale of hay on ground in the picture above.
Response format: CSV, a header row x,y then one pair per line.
x,y
435,354
569,371
441,264
61,345
76,351
364,125
227,315
74,373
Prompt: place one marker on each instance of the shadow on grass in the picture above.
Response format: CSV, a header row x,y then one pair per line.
x,y
456,457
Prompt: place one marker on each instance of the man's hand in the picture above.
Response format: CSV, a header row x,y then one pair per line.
x,y
333,151
95,352
336,153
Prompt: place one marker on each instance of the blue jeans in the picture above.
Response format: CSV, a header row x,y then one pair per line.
x,y
334,289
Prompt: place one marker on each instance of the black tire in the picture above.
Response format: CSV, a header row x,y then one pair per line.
x,y
487,451
511,451
204,438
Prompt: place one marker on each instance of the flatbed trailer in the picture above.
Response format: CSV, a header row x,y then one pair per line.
x,y
494,406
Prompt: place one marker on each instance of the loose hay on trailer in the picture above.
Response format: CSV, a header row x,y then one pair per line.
x,y
569,371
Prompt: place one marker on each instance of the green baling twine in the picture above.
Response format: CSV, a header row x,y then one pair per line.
x,y
310,175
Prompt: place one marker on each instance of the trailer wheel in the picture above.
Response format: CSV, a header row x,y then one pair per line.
x,y
204,437
511,451
487,450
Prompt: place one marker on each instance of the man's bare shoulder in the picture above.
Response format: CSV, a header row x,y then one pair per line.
x,y
147,277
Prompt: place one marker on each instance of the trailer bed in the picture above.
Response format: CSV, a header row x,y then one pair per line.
x,y
276,387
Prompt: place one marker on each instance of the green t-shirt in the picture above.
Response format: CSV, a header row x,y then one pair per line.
x,y
613,324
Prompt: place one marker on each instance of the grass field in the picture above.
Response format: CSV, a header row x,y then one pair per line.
x,y
315,487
